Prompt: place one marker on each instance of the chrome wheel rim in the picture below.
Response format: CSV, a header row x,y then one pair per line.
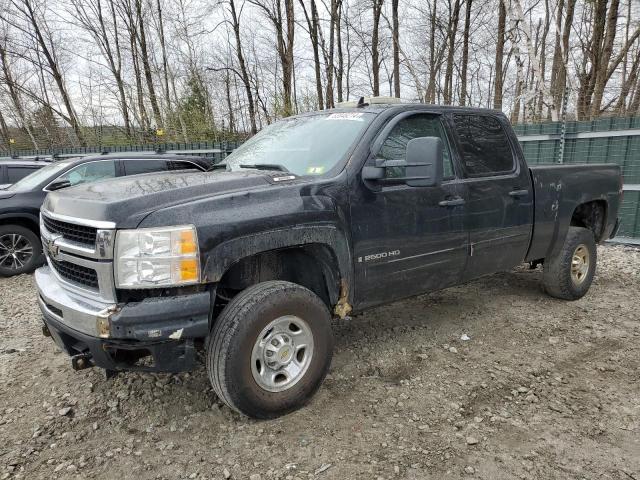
x,y
282,353
15,251
580,264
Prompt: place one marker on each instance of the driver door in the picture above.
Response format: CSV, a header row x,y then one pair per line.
x,y
407,240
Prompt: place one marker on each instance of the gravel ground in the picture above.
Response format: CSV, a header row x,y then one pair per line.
x,y
489,380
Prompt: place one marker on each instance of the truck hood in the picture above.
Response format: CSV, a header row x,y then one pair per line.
x,y
127,200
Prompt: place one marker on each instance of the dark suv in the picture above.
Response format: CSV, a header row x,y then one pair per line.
x,y
15,169
20,246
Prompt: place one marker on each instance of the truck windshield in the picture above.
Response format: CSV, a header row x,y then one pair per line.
x,y
307,145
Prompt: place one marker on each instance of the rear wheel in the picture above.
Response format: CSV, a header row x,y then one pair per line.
x,y
270,349
20,250
569,274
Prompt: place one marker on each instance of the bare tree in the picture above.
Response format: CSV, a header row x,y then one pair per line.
x,y
396,48
38,31
90,16
375,46
465,53
313,25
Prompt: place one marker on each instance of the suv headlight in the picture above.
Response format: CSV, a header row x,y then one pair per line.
x,y
157,257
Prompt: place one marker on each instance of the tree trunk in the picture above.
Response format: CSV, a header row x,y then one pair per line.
x,y
312,24
451,37
165,63
604,56
15,96
52,62
499,75
396,48
375,52
340,67
465,54
146,65
287,64
244,74
227,85
430,96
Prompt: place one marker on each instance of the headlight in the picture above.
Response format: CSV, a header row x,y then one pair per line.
x,y
157,257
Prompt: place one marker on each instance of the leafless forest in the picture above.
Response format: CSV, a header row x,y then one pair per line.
x,y
81,72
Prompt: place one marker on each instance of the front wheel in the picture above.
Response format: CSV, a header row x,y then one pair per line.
x,y
270,349
569,274
20,250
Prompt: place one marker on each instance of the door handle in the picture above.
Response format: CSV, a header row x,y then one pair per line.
x,y
454,202
519,193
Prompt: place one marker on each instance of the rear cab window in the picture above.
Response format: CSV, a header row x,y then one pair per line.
x,y
485,149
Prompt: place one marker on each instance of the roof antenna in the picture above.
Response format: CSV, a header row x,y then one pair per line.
x,y
362,103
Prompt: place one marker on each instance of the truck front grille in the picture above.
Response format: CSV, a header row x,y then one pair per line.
x,y
70,231
83,276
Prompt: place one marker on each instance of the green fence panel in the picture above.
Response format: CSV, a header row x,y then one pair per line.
x,y
630,215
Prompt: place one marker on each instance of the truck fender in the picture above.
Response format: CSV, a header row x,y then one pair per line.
x,y
219,259
567,207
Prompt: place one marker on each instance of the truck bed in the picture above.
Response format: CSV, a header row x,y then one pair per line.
x,y
558,189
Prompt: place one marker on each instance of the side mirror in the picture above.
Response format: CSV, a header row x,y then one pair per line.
x,y
424,162
423,165
58,185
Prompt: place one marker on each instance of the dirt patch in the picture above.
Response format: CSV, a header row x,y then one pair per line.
x,y
542,389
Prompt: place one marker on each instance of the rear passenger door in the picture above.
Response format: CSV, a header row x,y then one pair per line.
x,y
499,213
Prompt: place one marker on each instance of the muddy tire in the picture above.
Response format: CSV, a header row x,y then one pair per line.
x,y
569,274
20,250
270,349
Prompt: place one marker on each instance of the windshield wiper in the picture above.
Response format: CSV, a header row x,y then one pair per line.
x,y
267,166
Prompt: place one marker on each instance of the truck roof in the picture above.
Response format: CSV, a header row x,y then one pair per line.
x,y
378,108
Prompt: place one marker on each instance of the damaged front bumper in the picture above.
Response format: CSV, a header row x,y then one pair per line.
x,y
157,334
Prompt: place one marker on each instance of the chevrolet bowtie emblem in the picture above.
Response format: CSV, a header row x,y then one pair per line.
x,y
52,249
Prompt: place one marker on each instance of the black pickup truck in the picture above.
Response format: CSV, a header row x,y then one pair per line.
x,y
319,215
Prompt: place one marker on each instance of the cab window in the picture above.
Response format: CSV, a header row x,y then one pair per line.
x,y
415,126
89,172
485,147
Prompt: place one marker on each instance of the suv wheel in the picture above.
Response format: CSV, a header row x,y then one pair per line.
x,y
270,349
20,250
569,274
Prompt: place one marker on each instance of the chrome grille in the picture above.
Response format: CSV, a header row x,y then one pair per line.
x,y
70,231
83,276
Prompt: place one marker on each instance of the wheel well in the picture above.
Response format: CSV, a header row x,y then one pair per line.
x,y
23,222
313,266
591,215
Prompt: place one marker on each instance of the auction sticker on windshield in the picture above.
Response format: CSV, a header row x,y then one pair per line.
x,y
358,117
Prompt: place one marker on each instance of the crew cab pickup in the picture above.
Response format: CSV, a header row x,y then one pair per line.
x,y
319,215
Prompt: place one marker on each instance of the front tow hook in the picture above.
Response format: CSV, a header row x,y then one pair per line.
x,y
81,361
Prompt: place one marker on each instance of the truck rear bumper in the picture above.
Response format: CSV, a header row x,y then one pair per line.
x,y
156,334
